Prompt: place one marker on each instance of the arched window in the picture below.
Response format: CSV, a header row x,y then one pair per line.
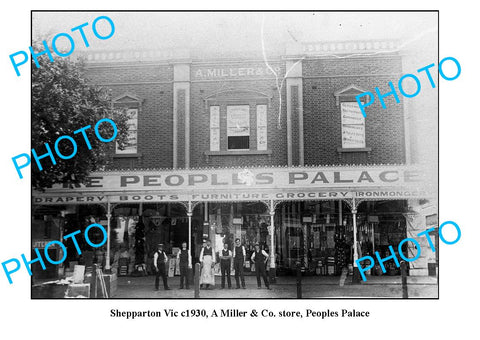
x,y
353,122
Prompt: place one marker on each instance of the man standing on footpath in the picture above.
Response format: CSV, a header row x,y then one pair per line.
x,y
160,260
225,264
260,257
239,255
207,277
185,260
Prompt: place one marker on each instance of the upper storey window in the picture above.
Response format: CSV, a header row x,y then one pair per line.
x,y
238,122
238,127
353,126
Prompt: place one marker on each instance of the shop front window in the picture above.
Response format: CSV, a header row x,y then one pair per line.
x,y
318,236
247,221
136,233
310,234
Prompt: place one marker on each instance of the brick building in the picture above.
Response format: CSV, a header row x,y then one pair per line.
x,y
228,145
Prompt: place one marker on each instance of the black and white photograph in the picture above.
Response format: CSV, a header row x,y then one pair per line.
x,y
239,169
260,162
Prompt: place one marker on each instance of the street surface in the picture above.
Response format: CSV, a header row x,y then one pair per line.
x,y
285,288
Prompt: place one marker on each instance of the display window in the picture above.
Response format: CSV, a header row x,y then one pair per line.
x,y
307,235
315,235
318,236
247,221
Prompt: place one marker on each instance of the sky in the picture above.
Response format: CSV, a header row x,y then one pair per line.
x,y
234,31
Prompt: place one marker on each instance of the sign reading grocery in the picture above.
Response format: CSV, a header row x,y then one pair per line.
x,y
232,196
242,185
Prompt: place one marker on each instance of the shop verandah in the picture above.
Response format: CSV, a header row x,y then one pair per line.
x,y
317,235
315,226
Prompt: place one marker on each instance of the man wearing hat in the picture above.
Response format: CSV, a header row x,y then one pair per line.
x,y
260,258
207,259
225,264
160,260
239,255
185,261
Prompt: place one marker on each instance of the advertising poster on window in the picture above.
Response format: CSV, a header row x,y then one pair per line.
x,y
261,127
238,120
214,128
353,126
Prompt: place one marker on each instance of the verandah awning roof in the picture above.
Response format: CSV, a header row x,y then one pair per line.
x,y
246,184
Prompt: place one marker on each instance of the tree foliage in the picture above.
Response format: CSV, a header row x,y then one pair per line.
x,y
63,101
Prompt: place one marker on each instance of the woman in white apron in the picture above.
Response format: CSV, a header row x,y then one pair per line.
x,y
207,259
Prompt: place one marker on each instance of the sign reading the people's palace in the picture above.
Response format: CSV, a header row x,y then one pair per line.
x,y
257,178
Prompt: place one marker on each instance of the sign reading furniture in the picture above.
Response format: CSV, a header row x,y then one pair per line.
x,y
265,195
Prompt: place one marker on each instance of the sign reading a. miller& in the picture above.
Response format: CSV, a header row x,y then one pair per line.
x,y
204,73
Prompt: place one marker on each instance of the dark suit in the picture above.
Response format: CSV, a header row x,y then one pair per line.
x,y
225,268
238,262
161,270
260,269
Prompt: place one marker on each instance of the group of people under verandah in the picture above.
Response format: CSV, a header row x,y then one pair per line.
x,y
160,260
207,259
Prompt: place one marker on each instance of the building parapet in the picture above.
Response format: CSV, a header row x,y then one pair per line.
x,y
305,49
345,48
135,56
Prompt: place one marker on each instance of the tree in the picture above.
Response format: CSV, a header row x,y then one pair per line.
x,y
63,101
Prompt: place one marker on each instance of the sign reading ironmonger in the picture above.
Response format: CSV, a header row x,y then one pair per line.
x,y
232,196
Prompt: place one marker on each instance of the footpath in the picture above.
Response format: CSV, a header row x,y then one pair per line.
x,y
285,288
